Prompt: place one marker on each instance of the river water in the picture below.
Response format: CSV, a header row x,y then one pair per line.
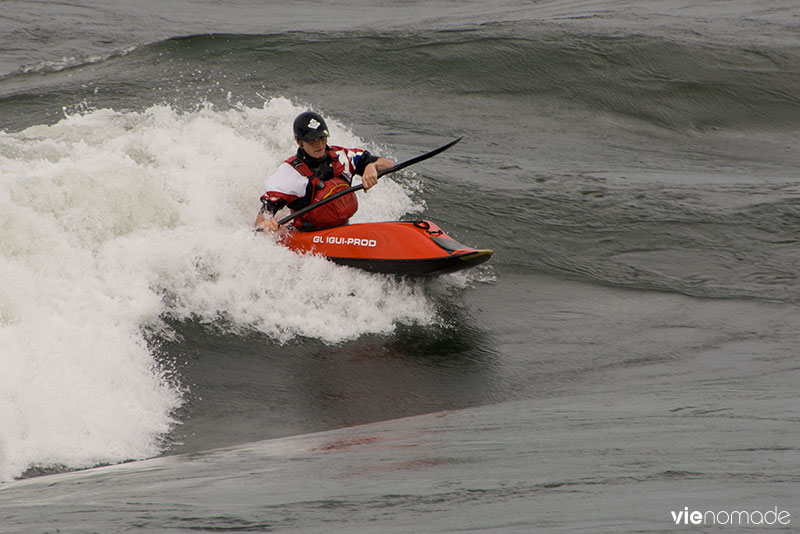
x,y
628,354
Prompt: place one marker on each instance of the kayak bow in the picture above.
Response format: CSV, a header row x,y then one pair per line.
x,y
418,248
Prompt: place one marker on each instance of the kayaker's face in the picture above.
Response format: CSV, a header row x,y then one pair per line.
x,y
315,148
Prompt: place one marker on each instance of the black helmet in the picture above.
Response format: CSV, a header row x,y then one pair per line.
x,y
309,126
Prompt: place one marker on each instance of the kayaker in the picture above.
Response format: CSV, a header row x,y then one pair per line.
x,y
316,172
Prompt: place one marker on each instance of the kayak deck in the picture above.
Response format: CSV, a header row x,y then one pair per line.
x,y
413,248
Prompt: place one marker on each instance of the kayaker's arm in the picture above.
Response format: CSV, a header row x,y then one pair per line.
x,y
265,223
370,176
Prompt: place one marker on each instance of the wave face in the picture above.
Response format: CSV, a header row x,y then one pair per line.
x,y
682,80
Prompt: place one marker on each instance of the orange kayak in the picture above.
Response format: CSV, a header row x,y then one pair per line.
x,y
418,248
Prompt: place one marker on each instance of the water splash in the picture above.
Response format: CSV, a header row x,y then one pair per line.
x,y
111,222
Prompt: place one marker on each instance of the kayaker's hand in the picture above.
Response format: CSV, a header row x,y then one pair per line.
x,y
370,177
266,224
271,225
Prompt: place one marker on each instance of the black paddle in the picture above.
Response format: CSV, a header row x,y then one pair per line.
x,y
354,188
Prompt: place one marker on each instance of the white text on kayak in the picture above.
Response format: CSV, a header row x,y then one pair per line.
x,y
355,241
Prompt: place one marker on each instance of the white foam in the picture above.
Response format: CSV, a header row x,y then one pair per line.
x,y
110,221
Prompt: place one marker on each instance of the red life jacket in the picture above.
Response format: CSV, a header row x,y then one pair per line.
x,y
336,212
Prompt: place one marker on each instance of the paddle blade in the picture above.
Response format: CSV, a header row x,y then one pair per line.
x,y
419,158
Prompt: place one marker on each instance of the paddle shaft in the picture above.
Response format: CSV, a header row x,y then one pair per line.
x,y
358,187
